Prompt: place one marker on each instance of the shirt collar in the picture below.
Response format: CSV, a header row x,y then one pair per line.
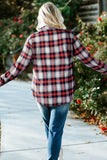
x,y
44,28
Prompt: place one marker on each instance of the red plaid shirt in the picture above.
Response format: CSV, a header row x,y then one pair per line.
x,y
51,52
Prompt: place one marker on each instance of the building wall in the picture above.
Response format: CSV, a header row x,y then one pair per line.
x,y
104,5
90,10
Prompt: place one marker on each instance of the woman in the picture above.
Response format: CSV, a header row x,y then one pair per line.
x,y
51,52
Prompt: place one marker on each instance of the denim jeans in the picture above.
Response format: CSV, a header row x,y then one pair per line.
x,y
54,120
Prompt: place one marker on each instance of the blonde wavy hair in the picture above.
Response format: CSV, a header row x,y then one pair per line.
x,y
49,15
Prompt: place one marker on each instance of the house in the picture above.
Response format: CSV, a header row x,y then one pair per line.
x,y
90,10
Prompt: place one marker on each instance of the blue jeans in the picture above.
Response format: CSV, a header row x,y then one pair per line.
x,y
54,119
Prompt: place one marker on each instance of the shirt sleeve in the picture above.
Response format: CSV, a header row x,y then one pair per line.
x,y
20,65
85,57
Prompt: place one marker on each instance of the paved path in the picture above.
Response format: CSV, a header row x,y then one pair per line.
x,y
22,130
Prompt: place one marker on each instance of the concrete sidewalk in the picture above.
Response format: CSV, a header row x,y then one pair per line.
x,y
22,130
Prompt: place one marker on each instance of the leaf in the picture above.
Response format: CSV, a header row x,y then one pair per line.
x,y
87,142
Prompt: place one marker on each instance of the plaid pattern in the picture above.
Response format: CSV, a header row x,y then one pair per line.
x,y
51,52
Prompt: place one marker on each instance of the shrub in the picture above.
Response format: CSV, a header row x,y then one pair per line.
x,y
14,32
8,8
90,98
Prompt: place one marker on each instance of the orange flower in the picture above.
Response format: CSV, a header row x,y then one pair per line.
x,y
100,43
20,44
78,101
13,35
12,2
103,128
81,32
91,46
88,48
99,19
103,13
21,36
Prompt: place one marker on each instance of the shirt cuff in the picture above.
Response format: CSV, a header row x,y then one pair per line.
x,y
1,82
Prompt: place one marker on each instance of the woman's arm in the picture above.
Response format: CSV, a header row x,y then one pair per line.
x,y
85,57
20,65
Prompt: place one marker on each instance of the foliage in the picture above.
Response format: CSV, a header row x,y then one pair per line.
x,y
9,8
15,30
90,99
